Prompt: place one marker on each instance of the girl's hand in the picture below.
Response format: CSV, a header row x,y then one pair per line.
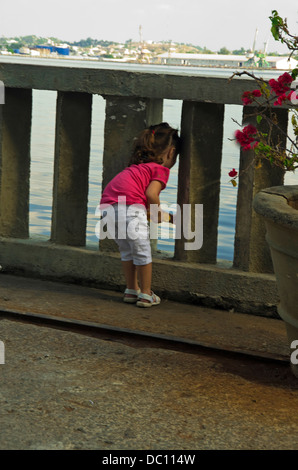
x,y
171,217
162,217
166,217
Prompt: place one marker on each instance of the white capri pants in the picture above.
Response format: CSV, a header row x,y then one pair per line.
x,y
129,227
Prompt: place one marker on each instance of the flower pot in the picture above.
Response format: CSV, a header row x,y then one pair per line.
x,y
279,207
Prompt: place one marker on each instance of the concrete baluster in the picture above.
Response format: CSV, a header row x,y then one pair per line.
x,y
251,251
72,149
15,135
125,118
199,174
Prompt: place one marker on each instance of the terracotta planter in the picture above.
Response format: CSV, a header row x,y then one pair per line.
x,y
279,207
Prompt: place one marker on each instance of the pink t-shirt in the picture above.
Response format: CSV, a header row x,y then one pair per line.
x,y
132,183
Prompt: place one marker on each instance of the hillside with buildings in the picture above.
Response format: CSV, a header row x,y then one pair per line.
x,y
164,52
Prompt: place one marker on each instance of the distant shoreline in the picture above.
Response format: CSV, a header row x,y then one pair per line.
x,y
130,62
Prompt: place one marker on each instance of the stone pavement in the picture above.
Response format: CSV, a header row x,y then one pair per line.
x,y
67,390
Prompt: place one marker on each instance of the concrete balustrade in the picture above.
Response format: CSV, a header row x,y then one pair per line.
x,y
71,168
125,118
133,100
15,163
251,251
199,173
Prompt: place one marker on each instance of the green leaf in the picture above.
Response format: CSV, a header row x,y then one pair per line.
x,y
276,22
294,73
259,118
275,34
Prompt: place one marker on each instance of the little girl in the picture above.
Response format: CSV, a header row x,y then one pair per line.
x,y
155,152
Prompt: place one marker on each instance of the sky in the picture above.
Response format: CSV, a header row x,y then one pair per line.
x,y
207,23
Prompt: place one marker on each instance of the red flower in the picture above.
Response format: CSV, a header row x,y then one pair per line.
x,y
246,137
233,173
285,78
280,99
257,92
250,130
283,97
248,96
280,86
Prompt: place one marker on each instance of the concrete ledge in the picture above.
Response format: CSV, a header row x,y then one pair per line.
x,y
125,83
201,284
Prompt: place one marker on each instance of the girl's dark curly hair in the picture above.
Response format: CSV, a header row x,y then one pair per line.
x,y
152,142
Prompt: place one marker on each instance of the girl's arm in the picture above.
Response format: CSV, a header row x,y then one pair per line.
x,y
152,195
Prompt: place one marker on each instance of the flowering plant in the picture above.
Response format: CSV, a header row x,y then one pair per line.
x,y
266,97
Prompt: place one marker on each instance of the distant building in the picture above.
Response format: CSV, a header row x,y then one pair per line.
x,y
211,60
24,50
45,49
221,60
62,50
281,63
48,49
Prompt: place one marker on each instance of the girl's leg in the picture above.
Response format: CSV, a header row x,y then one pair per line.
x,y
145,276
130,274
129,269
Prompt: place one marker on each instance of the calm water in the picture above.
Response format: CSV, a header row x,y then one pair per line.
x,y
42,155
